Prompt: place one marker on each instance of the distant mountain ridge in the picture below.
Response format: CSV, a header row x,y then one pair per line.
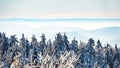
x,y
59,19
107,35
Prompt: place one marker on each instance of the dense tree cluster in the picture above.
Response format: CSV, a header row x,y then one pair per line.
x,y
57,54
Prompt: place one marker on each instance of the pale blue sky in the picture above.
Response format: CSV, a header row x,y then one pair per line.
x,y
59,8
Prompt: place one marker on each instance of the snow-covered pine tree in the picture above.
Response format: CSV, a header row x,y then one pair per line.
x,y
74,45
58,45
66,42
43,45
56,54
89,53
50,47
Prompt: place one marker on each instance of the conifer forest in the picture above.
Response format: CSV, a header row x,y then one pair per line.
x,y
57,53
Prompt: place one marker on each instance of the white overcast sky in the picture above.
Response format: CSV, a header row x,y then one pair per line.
x,y
59,8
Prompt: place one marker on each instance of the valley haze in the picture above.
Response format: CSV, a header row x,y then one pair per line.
x,y
105,29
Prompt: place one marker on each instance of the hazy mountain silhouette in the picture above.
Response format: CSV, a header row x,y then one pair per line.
x,y
107,34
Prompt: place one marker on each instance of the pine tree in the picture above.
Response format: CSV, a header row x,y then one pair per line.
x,y
89,53
33,42
50,47
99,45
66,42
3,43
13,40
74,45
27,48
43,45
58,45
57,54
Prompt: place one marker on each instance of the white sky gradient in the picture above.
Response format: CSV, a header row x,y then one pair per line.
x,y
59,8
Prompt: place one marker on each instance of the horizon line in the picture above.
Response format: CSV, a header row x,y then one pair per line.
x,y
58,19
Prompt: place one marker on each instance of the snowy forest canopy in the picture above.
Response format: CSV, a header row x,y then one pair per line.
x,y
60,53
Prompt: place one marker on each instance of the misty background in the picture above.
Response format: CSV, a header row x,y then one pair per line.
x,y
83,19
